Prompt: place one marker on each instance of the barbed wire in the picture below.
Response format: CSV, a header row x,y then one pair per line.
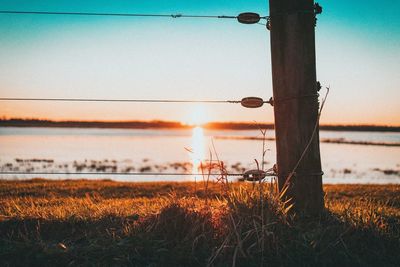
x,y
124,100
15,12
177,15
125,173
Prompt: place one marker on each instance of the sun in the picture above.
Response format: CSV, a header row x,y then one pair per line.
x,y
197,116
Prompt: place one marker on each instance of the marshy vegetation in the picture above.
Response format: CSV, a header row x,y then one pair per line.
x,y
105,166
107,223
32,165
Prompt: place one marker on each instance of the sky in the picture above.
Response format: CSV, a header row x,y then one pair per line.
x,y
357,47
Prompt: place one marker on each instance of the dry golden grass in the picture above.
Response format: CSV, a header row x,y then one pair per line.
x,y
106,223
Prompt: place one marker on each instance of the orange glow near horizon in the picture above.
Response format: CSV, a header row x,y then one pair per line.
x,y
193,115
197,116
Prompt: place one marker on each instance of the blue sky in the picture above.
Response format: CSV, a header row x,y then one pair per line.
x,y
358,55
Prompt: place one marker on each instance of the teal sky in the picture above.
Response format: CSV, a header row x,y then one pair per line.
x,y
358,55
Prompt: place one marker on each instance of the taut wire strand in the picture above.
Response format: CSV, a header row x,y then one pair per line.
x,y
122,100
15,12
121,173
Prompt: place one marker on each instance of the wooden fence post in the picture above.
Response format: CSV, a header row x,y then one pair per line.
x,y
295,94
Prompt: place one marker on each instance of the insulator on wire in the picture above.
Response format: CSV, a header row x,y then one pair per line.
x,y
252,102
248,18
253,175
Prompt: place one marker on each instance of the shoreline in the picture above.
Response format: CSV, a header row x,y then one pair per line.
x,y
173,125
162,183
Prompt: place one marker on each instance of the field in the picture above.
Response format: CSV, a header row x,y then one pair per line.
x,y
106,223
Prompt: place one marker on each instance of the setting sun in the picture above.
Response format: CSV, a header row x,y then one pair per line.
x,y
197,116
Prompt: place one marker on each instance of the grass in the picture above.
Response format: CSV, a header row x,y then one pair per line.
x,y
106,223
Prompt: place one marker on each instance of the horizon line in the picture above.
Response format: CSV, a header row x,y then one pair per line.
x,y
248,124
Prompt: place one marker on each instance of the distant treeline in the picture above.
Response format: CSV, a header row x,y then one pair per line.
x,y
176,125
90,124
249,126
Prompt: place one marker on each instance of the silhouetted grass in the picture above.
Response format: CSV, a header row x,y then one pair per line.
x,y
106,223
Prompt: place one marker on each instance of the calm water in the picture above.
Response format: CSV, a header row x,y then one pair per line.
x,y
120,150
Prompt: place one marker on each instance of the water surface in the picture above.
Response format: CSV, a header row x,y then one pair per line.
x,y
133,150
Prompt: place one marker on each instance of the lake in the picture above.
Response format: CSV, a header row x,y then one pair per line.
x,y
97,151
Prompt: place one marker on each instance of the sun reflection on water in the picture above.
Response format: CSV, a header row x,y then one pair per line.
x,y
197,154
